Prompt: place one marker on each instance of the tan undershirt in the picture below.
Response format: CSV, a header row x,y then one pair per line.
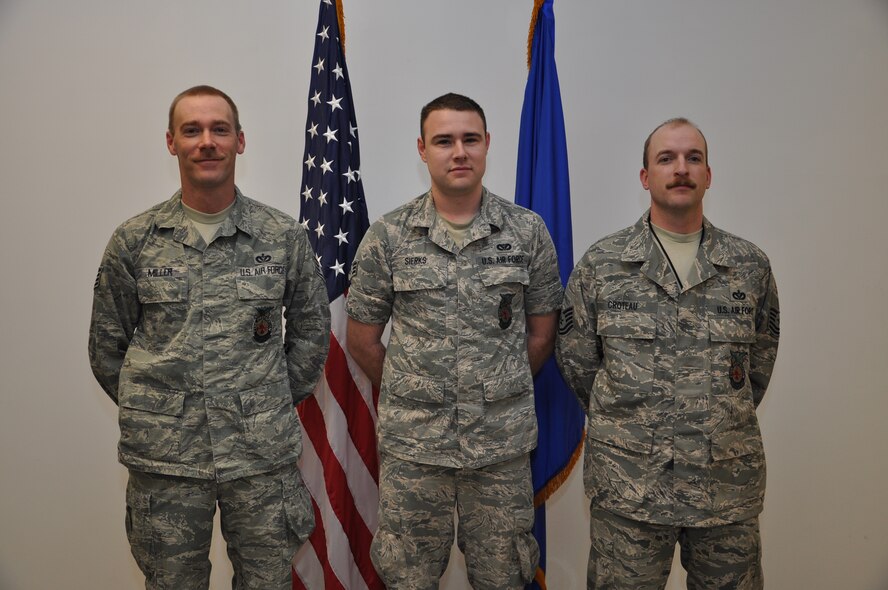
x,y
681,250
457,231
207,224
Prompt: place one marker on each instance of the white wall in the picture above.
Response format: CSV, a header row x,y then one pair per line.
x,y
790,93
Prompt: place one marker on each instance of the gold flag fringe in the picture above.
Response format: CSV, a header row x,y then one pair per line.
x,y
340,17
533,23
544,494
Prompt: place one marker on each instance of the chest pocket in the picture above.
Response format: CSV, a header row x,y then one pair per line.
x,y
409,278
731,338
265,278
261,287
516,276
628,342
162,285
503,295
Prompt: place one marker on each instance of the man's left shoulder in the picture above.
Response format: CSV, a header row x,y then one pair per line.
x,y
515,213
740,250
265,218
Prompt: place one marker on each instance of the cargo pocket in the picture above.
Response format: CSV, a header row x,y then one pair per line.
x,y
737,472
268,417
414,406
299,513
511,414
151,423
628,345
619,463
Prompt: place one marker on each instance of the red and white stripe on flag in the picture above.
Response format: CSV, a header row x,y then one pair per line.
x,y
339,465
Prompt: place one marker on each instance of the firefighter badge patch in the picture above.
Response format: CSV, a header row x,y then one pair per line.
x,y
738,373
504,313
262,325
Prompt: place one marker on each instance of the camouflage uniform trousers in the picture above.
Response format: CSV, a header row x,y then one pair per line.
x,y
495,506
169,522
632,555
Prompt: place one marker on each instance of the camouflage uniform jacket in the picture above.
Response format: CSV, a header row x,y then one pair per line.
x,y
187,340
672,380
457,389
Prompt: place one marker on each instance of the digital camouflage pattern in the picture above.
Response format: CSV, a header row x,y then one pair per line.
x,y
672,380
169,523
188,339
456,389
495,505
631,555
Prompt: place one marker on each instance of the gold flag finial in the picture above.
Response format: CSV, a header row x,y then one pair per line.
x,y
340,18
537,4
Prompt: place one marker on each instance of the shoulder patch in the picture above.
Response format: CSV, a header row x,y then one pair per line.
x,y
566,321
774,322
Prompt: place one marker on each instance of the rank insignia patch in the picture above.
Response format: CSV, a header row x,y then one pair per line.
x,y
738,373
566,321
504,313
262,325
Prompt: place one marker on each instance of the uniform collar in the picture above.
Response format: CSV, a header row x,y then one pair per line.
x,y
489,220
641,247
172,216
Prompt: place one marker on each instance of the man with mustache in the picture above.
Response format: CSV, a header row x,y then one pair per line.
x,y
188,338
669,333
470,283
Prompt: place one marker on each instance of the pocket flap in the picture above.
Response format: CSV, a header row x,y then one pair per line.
x,y
735,443
261,287
632,437
265,398
156,401
731,330
500,275
418,279
627,324
154,287
416,387
506,386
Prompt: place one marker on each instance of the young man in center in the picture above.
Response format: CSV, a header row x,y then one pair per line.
x,y
470,282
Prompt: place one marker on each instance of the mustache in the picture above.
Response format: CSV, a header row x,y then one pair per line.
x,y
686,182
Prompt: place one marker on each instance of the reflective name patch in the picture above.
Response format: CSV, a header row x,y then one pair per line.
x,y
163,271
261,270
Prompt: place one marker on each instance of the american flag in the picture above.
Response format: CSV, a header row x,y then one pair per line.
x,y
339,461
